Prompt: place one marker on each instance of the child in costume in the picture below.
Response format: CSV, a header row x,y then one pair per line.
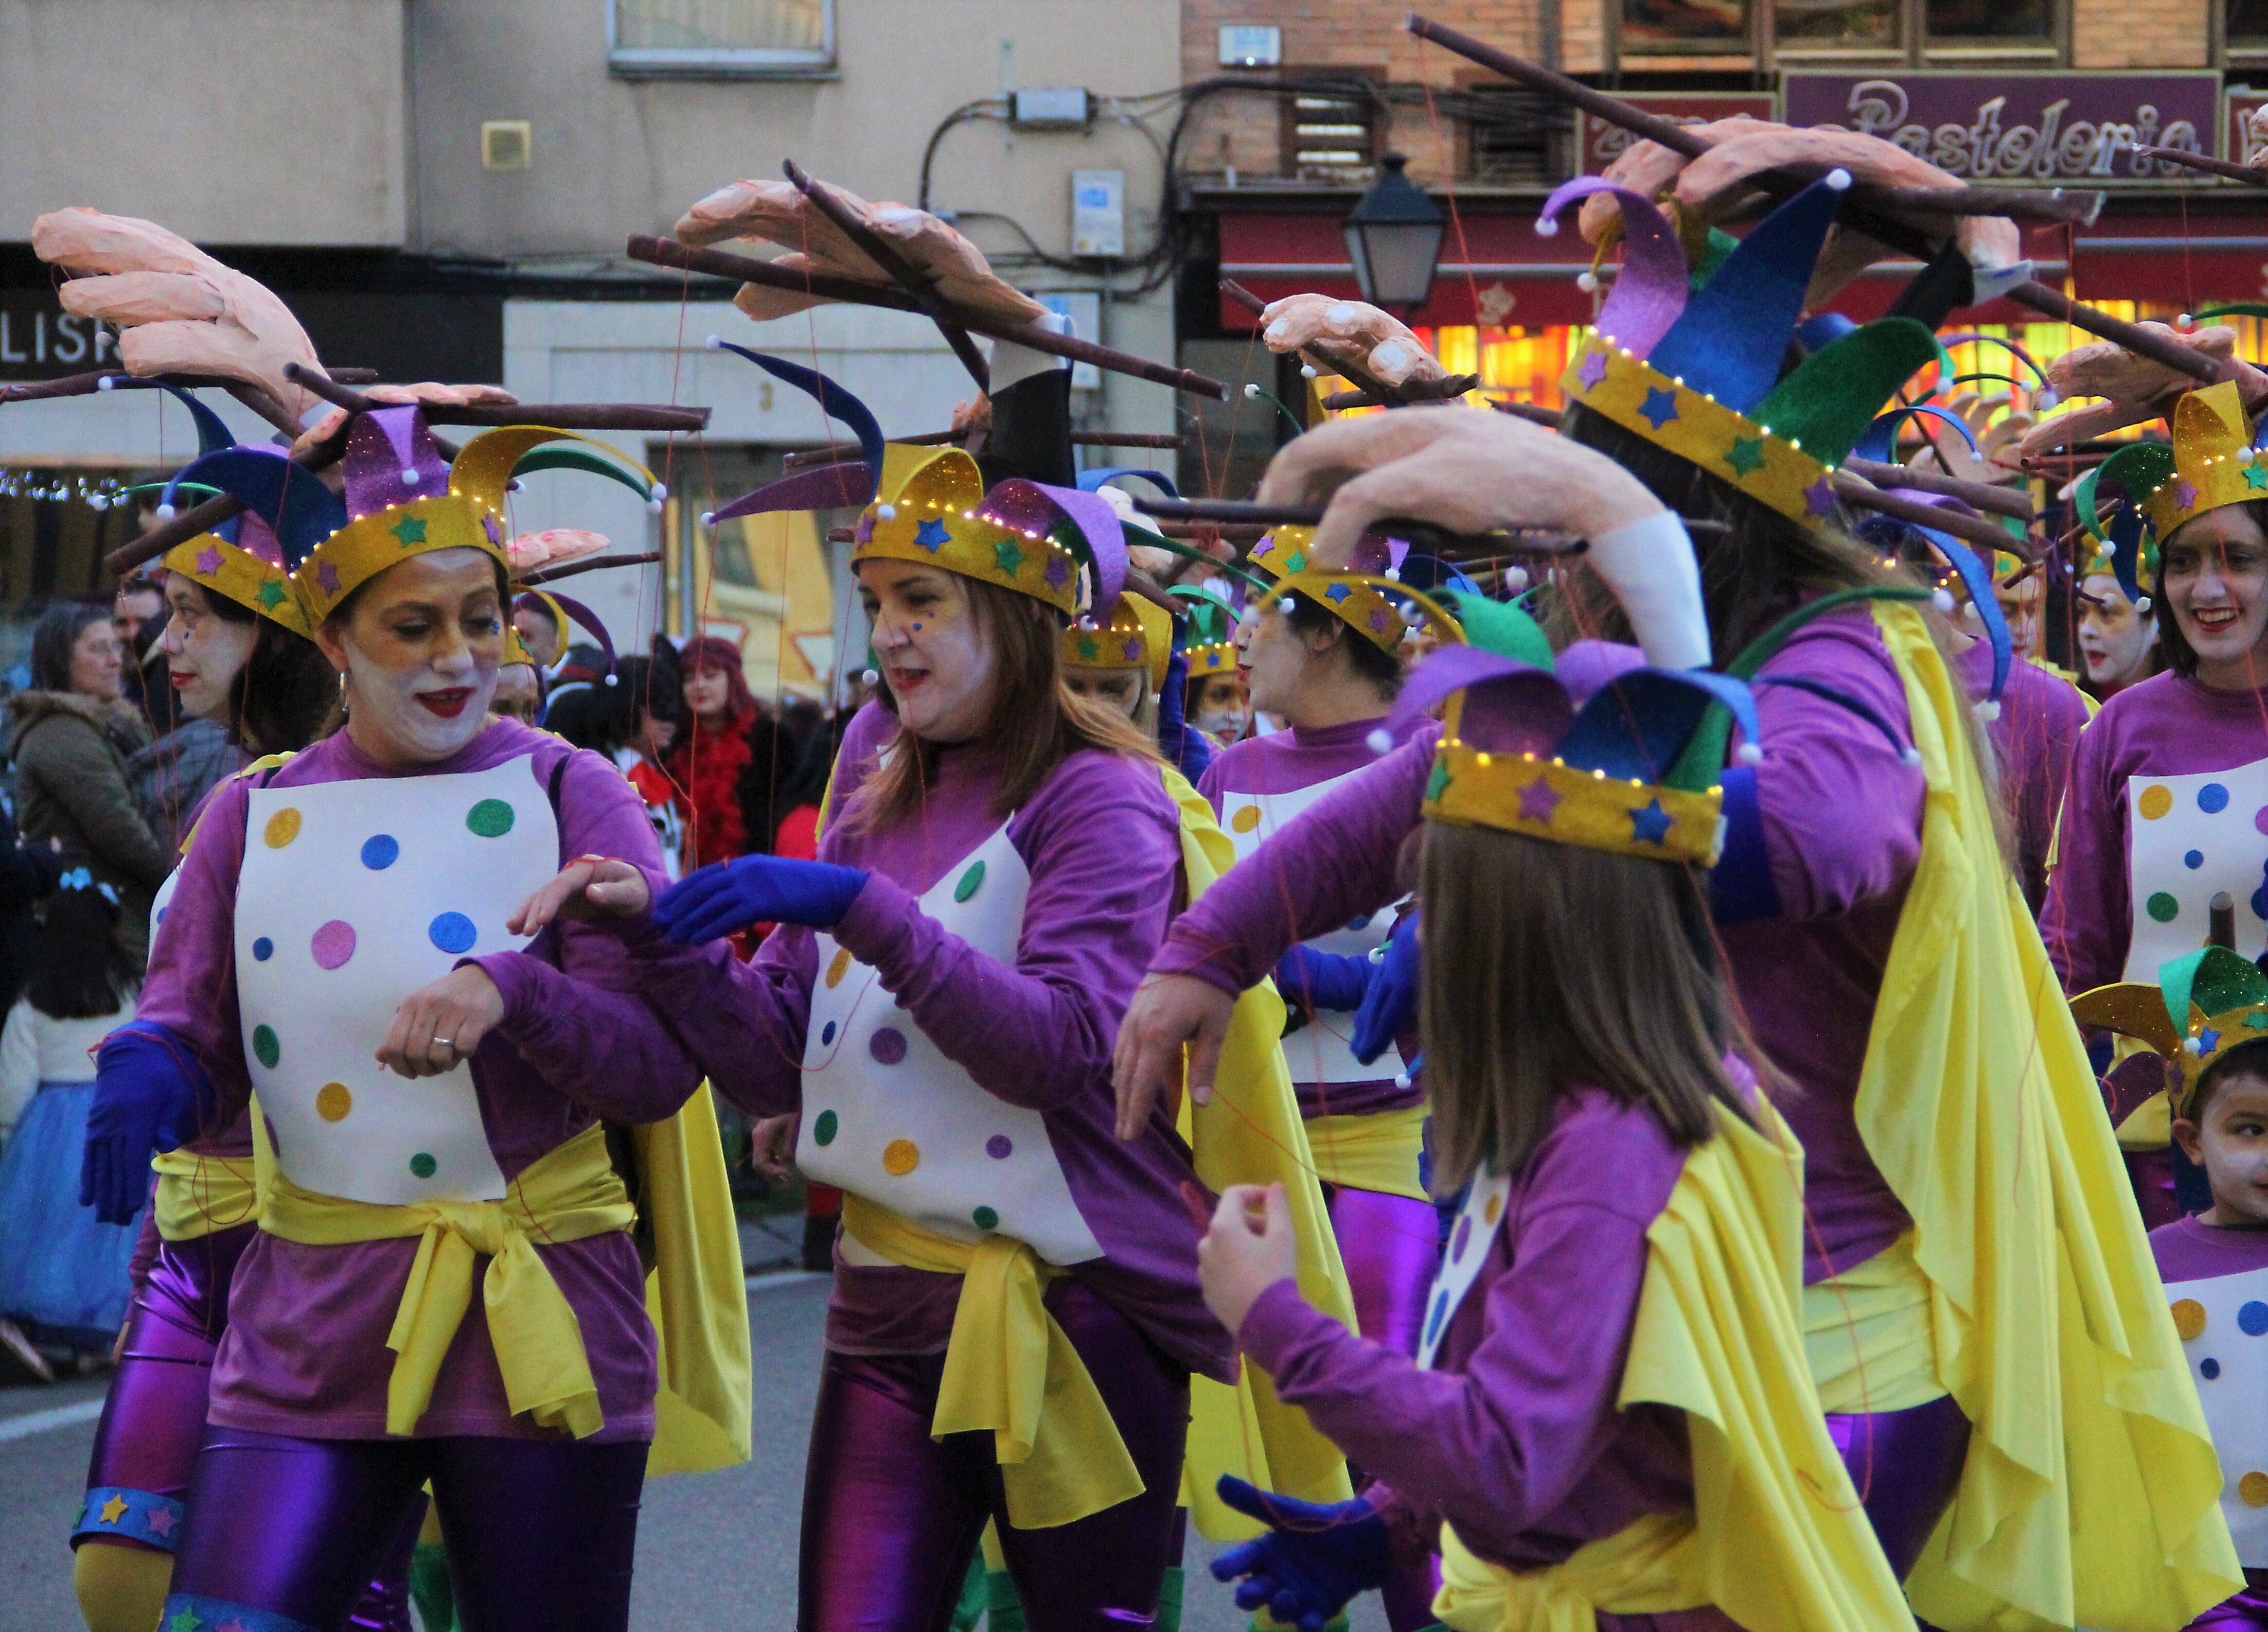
x,y
351,909
2206,1016
1865,910
1610,1417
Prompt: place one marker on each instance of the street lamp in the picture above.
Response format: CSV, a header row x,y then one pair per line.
x,y
1393,237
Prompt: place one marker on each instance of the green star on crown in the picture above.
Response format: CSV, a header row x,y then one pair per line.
x,y
1007,557
410,530
1088,650
2256,475
269,595
1746,454
1296,562
1437,783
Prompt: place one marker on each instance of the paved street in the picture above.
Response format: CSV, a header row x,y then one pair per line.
x,y
715,1550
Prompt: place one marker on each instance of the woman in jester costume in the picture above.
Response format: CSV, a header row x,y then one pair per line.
x,y
1881,956
345,938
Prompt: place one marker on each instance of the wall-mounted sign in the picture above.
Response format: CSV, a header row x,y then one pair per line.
x,y
2037,129
39,340
1598,143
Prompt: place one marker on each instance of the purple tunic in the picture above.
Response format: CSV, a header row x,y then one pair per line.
x,y
1101,840
1283,764
2190,1249
2164,725
2040,717
306,1350
1514,1437
1842,820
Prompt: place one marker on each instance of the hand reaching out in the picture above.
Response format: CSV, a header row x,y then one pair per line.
x,y
587,888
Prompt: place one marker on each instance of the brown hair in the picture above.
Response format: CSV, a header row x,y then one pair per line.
x,y
1037,721
2173,646
1549,967
1364,657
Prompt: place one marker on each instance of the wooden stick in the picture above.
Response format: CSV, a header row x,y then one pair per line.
x,y
746,269
896,268
1409,394
191,522
2245,173
1534,413
1861,213
566,415
1975,529
1977,495
552,574
1228,510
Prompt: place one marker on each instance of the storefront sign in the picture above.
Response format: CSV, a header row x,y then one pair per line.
x,y
39,340
1599,143
2045,130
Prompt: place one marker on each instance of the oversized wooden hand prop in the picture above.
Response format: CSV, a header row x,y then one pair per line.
x,y
2133,387
1372,339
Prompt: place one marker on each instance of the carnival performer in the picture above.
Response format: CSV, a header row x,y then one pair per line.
x,y
354,906
2204,1016
1866,931
1610,1416
2118,622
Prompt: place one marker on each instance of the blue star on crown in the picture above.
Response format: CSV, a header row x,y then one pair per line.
x,y
931,534
1336,593
1650,822
1660,407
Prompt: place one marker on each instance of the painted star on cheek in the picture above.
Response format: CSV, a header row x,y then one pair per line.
x,y
209,559
1537,800
932,533
1593,374
1650,822
1660,407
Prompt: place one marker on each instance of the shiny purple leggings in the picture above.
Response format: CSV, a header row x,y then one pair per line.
x,y
1392,1247
891,1517
1906,1466
541,1533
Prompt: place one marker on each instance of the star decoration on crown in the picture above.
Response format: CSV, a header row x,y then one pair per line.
x,y
1660,407
327,576
2256,475
1438,783
1819,498
1089,649
1134,649
1057,574
1296,562
2185,495
182,1621
492,528
269,595
1380,620
409,530
1336,592
1650,822
1746,454
1007,557
1538,800
1592,373
209,558
2208,1040
931,535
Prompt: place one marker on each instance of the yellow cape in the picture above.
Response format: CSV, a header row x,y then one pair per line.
x,y
2091,1492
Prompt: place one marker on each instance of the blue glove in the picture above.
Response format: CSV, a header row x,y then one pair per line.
x,y
1322,980
1390,1004
757,889
1313,1561
1182,744
151,1094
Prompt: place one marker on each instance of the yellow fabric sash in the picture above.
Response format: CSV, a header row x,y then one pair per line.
x,y
566,1194
198,1195
1251,1133
1977,1104
1377,1152
1868,1334
698,1296
1011,1372
1776,1539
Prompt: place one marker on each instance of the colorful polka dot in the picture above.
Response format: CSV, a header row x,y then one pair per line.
x,y
333,944
379,852
2189,1319
823,1131
985,1218
1433,1320
999,1147
265,1048
900,1157
1461,1240
423,1165
2163,907
281,827
887,1045
2209,1369
333,1101
970,882
262,950
836,966
2252,1320
2193,860
1495,1209
453,932
2260,818
491,818
2155,801
826,1034
2252,1489
2212,798
1246,819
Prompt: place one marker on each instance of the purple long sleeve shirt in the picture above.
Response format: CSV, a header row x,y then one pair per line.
x,y
306,1350
1514,1436
1101,840
1284,763
1842,821
2040,717
2165,725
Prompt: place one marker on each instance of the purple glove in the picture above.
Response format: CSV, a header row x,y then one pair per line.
x,y
1389,1002
757,889
1314,1560
151,1094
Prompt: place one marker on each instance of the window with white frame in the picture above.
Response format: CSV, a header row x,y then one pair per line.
x,y
751,37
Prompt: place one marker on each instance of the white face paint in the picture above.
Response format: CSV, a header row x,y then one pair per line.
x,y
204,652
420,655
2115,641
941,667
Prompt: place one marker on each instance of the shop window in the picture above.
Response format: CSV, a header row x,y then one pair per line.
x,y
1959,23
2245,25
1516,138
1839,26
720,37
1684,27
1331,125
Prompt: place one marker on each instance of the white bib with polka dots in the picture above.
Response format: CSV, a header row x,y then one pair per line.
x,y
1322,1049
2190,838
887,1117
1477,1222
353,895
2224,1328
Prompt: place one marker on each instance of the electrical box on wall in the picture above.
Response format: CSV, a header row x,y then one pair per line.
x,y
1250,45
1051,107
1098,212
